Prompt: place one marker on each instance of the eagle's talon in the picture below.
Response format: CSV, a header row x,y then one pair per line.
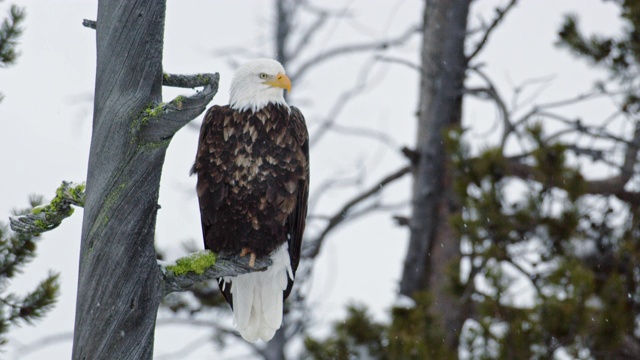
x,y
245,251
252,256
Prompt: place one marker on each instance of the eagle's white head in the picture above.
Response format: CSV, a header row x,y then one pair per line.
x,y
257,83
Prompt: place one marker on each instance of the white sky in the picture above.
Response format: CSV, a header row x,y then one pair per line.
x,y
45,130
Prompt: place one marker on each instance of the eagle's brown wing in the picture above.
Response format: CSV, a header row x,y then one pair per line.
x,y
211,187
297,218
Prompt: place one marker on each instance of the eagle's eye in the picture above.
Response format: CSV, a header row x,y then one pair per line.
x,y
263,76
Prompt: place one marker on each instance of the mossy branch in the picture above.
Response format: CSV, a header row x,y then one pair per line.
x,y
204,265
159,122
48,217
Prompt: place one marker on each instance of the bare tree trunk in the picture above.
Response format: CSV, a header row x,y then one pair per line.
x,y
284,15
433,247
117,260
274,350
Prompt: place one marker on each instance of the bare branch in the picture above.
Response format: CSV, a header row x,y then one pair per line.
x,y
310,32
353,48
91,24
158,124
525,273
396,60
48,217
372,134
313,247
576,125
617,183
595,93
492,92
331,183
500,14
341,102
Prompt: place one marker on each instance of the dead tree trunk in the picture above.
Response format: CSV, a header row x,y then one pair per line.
x,y
120,285
117,258
433,247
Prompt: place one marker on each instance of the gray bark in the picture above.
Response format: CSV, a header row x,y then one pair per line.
x,y
432,245
119,285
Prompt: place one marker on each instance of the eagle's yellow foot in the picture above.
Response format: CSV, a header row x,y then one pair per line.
x,y
252,255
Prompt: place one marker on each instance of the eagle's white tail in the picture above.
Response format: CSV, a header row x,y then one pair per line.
x,y
257,298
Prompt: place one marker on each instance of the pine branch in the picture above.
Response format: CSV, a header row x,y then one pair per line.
x,y
48,217
35,304
17,249
10,31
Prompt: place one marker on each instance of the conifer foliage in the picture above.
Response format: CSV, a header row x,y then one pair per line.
x,y
18,248
10,32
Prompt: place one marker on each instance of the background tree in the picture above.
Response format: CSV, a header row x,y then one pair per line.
x,y
530,211
16,249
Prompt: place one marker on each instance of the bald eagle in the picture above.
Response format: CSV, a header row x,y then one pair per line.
x,y
252,166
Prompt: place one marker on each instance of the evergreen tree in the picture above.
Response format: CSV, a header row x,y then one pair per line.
x,y
10,32
17,249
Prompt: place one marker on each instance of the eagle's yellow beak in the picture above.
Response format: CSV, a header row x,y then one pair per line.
x,y
281,81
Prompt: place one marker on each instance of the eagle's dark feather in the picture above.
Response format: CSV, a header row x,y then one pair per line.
x,y
253,181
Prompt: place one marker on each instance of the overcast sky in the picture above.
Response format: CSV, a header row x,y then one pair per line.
x,y
45,130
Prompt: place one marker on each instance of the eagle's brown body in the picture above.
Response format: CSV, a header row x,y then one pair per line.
x,y
253,176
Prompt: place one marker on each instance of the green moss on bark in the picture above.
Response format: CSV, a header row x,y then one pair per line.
x,y
196,263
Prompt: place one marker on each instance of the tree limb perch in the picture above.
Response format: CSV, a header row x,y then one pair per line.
x,y
48,217
222,266
160,123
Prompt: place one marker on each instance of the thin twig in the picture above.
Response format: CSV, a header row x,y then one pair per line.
x,y
500,14
492,92
400,61
359,88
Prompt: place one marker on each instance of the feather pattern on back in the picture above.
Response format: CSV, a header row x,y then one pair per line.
x,y
253,185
